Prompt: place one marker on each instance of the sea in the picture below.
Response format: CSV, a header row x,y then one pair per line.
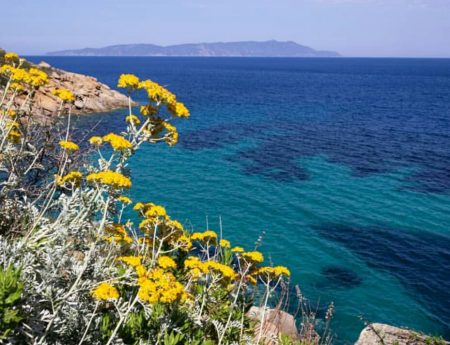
x,y
340,166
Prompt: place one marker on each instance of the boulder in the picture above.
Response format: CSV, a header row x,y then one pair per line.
x,y
381,334
276,323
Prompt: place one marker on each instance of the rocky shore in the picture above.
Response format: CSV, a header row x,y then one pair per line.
x,y
91,95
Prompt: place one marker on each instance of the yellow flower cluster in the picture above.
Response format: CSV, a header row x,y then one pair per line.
x,y
124,199
237,250
68,145
148,110
131,260
225,243
105,292
274,272
11,57
128,81
96,141
133,119
196,268
153,214
178,109
14,135
206,236
37,77
172,133
17,87
255,257
157,93
117,233
64,95
158,286
73,178
13,131
166,262
109,178
33,77
117,142
183,242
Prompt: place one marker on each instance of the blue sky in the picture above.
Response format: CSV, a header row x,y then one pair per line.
x,y
419,28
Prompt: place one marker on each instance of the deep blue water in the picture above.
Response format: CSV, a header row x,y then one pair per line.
x,y
343,163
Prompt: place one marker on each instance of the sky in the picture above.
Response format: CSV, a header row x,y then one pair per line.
x,y
377,28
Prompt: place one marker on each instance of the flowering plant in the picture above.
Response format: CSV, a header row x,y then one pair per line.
x,y
88,274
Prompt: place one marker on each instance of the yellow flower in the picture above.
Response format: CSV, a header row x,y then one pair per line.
x,y
256,257
133,119
73,177
11,57
160,286
16,87
153,210
118,142
224,270
148,110
118,233
12,113
7,70
172,133
124,199
196,267
96,141
38,78
68,145
131,260
64,95
157,93
281,270
129,81
166,262
175,224
105,292
20,75
14,135
110,178
178,109
274,272
206,236
225,243
237,250
140,271
138,206
183,242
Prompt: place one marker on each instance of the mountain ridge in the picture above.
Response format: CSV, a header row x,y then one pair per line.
x,y
270,48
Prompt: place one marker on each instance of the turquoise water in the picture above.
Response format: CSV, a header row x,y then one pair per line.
x,y
343,164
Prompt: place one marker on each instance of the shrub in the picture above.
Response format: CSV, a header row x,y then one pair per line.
x,y
11,289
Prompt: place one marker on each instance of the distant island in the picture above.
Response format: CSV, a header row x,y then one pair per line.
x,y
219,49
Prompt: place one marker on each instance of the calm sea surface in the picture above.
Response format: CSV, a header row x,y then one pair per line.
x,y
344,164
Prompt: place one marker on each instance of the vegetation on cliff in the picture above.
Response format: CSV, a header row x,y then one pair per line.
x,y
73,270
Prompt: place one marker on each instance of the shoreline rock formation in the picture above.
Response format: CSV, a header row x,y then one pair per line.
x,y
382,334
91,95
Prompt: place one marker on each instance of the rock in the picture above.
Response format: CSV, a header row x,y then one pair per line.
x,y
44,64
381,334
91,95
276,323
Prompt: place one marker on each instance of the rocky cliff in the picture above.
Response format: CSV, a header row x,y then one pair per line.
x,y
91,95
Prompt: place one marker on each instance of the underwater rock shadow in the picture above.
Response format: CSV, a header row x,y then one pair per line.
x,y
421,261
339,276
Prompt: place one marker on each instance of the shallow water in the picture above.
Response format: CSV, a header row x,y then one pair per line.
x,y
344,164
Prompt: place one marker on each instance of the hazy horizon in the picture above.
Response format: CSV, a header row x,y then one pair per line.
x,y
353,28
